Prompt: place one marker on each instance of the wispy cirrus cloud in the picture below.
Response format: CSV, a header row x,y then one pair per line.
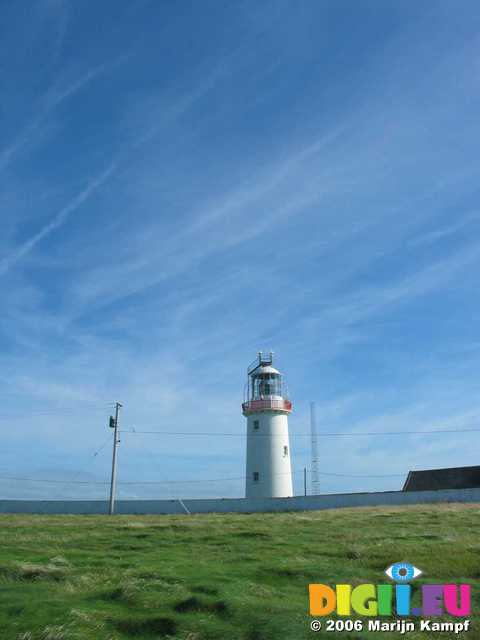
x,y
59,93
272,189
446,231
46,106
57,221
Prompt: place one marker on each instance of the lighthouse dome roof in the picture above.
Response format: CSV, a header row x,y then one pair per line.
x,y
265,369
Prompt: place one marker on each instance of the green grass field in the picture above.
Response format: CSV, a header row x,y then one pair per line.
x,y
217,576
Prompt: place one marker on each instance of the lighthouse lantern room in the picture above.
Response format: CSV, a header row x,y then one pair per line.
x,y
266,407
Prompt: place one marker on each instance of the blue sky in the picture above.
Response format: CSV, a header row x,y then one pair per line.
x,y
182,184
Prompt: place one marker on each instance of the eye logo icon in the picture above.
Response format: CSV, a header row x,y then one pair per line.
x,y
402,572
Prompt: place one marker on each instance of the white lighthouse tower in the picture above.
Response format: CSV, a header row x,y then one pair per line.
x,y
266,407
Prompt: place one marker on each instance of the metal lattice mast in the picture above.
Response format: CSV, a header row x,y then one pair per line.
x,y
314,451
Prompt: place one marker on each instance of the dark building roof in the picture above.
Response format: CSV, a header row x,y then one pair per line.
x,y
454,478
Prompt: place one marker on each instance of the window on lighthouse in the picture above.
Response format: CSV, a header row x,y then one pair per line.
x,y
256,476
285,451
256,424
265,385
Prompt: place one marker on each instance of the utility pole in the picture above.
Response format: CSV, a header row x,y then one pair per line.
x,y
305,480
114,426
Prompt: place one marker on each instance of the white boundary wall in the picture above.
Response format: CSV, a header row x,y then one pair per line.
x,y
240,505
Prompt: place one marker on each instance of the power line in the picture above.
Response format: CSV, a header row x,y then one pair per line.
x,y
300,435
94,455
155,482
17,479
101,447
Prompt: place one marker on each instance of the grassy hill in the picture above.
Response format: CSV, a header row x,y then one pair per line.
x,y
222,577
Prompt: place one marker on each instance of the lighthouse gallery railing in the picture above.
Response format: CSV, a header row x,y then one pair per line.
x,y
279,404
